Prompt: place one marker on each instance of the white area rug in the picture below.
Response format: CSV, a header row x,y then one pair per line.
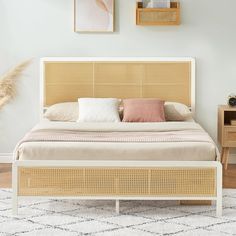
x,y
139,218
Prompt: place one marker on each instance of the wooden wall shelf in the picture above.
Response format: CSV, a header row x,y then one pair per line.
x,y
158,16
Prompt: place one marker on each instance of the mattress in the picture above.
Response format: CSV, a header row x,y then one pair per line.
x,y
195,150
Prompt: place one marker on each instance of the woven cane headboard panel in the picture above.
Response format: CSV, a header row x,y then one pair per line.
x,y
67,79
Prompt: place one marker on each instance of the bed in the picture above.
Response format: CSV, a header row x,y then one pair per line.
x,y
171,160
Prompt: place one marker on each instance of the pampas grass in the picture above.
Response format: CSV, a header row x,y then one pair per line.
x,y
8,83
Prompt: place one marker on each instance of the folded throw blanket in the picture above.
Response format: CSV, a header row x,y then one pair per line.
x,y
99,136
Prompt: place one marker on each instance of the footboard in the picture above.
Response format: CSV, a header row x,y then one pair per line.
x,y
110,181
120,180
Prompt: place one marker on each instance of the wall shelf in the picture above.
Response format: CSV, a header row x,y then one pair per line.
x,y
158,16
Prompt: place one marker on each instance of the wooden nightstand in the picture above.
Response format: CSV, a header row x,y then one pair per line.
x,y
226,131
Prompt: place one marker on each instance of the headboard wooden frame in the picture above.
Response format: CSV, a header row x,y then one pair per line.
x,y
67,79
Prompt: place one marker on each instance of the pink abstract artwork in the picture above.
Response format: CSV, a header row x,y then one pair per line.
x,y
94,15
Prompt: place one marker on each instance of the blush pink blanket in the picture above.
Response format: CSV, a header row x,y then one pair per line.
x,y
127,136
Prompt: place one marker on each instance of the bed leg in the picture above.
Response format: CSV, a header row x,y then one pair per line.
x,y
117,207
14,189
219,191
219,208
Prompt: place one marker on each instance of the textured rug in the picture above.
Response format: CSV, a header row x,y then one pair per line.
x,y
139,218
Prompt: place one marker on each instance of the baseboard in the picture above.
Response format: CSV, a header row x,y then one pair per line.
x,y
6,157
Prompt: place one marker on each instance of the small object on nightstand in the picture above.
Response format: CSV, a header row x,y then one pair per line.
x,y
232,100
226,131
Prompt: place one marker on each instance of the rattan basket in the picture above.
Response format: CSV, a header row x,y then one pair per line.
x,y
158,16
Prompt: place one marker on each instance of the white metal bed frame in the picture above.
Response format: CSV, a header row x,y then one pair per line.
x,y
203,164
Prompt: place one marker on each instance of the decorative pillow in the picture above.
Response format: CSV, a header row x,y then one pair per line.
x,y
67,111
143,110
175,111
98,110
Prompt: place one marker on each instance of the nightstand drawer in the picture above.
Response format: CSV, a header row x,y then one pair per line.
x,y
230,137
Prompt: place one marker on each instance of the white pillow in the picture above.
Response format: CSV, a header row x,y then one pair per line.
x,y
67,111
175,111
98,110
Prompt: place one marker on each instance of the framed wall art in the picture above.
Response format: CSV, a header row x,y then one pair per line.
x,y
94,15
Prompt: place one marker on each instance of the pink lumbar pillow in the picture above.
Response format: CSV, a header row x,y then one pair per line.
x,y
143,110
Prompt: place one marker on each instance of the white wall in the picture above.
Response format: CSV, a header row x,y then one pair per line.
x,y
38,28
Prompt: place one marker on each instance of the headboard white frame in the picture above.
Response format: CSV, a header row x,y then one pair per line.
x,y
118,59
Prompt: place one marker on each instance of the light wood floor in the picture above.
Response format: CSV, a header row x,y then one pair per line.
x,y
5,176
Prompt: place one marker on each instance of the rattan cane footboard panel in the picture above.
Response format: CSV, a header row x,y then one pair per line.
x,y
110,181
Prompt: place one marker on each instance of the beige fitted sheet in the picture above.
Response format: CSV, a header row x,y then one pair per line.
x,y
164,151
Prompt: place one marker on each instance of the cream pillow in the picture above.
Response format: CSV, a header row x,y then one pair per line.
x,y
175,111
67,111
98,110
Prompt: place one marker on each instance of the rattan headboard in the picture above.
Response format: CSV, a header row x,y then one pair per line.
x,y
67,79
